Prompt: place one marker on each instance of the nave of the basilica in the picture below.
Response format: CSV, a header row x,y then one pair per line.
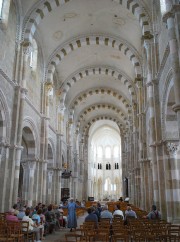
x,y
90,102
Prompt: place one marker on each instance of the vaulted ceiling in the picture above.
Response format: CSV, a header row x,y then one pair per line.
x,y
95,49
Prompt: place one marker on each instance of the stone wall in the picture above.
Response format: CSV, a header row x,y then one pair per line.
x,y
8,42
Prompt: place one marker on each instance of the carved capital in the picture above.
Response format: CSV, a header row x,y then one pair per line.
x,y
171,13
147,36
176,107
172,148
27,48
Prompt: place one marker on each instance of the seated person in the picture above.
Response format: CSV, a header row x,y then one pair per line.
x,y
154,214
50,218
33,227
130,213
92,217
118,211
10,216
21,213
106,213
16,211
63,219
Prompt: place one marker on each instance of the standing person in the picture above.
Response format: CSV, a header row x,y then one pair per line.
x,y
72,219
153,214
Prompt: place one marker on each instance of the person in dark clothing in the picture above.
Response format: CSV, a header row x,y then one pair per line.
x,y
96,211
92,217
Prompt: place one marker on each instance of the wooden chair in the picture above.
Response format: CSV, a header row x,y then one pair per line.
x,y
117,217
28,235
4,233
120,237
72,237
105,220
15,230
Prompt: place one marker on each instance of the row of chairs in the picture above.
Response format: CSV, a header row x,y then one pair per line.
x,y
15,231
137,230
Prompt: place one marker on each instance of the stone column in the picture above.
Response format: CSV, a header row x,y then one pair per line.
x,y
16,173
32,166
44,193
25,181
26,52
142,202
174,54
147,184
49,188
138,186
151,118
172,183
4,156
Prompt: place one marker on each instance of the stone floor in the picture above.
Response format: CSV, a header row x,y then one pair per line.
x,y
58,236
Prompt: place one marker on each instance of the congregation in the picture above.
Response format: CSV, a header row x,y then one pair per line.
x,y
111,220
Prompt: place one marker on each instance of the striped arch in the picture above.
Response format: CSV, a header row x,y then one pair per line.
x,y
40,10
86,128
30,133
103,40
99,91
100,70
95,107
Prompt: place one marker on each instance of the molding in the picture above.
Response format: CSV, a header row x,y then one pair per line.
x,y
3,74
163,62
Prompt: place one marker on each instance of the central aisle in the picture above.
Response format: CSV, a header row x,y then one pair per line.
x,y
59,235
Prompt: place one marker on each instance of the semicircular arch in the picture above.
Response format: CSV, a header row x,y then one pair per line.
x,y
100,70
100,40
41,9
101,91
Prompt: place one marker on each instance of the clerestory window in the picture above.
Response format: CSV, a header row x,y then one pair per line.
x,y
1,6
163,6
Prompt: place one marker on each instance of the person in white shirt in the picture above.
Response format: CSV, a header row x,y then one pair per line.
x,y
32,225
118,211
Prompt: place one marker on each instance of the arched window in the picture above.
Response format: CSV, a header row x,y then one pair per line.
x,y
99,166
108,152
108,166
116,152
99,152
1,5
163,6
33,55
4,11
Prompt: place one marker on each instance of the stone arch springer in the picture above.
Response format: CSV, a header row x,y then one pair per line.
x,y
95,39
29,122
41,9
6,119
100,70
52,145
